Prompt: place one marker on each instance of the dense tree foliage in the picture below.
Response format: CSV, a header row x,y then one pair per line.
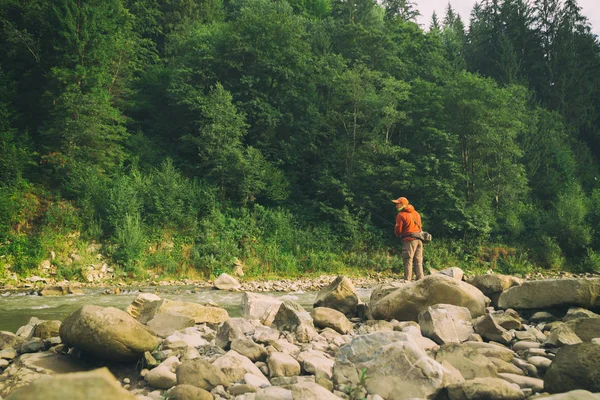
x,y
276,132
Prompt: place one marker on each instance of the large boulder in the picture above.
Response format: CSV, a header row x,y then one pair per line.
x,y
484,388
395,366
233,328
292,317
260,307
445,323
474,359
585,328
408,301
379,292
492,285
201,374
99,384
226,282
146,306
572,395
324,317
107,333
574,367
549,293
234,366
339,295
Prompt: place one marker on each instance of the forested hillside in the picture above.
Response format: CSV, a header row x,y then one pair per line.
x,y
185,136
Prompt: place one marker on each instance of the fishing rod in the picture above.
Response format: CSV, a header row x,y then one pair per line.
x,y
383,219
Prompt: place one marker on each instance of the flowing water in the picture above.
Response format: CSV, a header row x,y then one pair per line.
x,y
17,308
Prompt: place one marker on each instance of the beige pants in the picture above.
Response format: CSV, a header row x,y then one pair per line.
x,y
412,255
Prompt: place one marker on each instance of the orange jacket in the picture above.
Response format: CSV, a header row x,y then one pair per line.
x,y
405,223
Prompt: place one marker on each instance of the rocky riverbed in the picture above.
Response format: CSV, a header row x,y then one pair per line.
x,y
444,337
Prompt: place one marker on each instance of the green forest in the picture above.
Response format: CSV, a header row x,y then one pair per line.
x,y
184,137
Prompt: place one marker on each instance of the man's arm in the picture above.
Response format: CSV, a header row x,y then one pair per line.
x,y
399,225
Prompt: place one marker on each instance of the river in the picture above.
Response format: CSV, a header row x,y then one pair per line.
x,y
17,308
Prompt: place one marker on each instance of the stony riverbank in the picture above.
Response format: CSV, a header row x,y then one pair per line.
x,y
444,337
35,284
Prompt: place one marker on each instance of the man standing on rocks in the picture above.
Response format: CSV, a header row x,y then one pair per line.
x,y
408,221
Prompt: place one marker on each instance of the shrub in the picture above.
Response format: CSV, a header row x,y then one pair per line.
x,y
131,242
591,262
173,201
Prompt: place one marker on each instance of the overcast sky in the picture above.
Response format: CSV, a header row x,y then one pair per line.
x,y
590,8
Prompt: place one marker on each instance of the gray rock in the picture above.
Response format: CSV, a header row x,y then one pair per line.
x,y
574,395
393,363
226,282
453,272
549,293
324,317
47,329
281,364
293,318
274,393
339,295
241,388
585,328
201,374
445,323
99,384
265,335
161,377
562,335
526,345
508,319
60,290
316,363
541,363
484,388
260,307
248,348
233,328
490,330
235,366
535,384
164,325
542,316
578,312
289,381
8,354
107,333
32,346
10,340
474,359
312,391
575,367
493,284
146,306
407,302
189,392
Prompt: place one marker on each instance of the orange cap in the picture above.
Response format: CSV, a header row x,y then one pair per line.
x,y
401,200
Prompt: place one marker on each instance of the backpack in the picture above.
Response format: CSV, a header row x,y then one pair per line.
x,y
423,236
